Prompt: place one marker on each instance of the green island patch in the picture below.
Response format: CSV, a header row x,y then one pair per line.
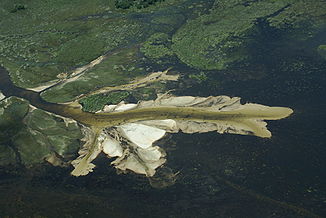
x,y
97,102
119,68
157,46
33,134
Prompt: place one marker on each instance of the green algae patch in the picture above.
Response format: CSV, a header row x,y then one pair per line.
x,y
118,68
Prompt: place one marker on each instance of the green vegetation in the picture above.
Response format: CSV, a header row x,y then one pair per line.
x,y
301,20
18,7
221,38
12,111
201,77
7,155
322,51
52,37
125,4
121,67
147,93
157,46
97,102
33,134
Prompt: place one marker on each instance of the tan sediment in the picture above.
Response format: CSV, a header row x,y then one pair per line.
x,y
89,152
249,115
245,119
81,70
137,83
2,96
74,75
86,67
45,86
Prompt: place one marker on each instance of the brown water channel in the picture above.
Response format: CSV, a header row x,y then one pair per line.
x,y
102,120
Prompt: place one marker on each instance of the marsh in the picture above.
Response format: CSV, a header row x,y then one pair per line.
x,y
61,62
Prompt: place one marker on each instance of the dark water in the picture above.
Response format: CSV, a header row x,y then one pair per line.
x,y
9,89
220,175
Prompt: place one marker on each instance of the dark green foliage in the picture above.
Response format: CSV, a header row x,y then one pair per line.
x,y
18,8
157,46
97,102
145,94
322,50
220,39
125,4
32,135
11,114
201,77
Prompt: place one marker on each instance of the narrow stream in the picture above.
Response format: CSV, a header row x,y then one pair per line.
x,y
9,89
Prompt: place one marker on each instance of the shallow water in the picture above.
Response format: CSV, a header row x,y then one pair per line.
x,y
220,175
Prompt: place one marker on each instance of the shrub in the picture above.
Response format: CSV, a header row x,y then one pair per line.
x,y
125,4
18,8
97,102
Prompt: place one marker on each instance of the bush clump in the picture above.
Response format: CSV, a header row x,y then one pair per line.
x,y
157,46
125,4
97,102
18,8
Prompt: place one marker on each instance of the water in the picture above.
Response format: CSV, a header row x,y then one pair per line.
x,y
220,175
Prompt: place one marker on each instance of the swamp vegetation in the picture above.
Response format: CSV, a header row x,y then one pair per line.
x,y
110,78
